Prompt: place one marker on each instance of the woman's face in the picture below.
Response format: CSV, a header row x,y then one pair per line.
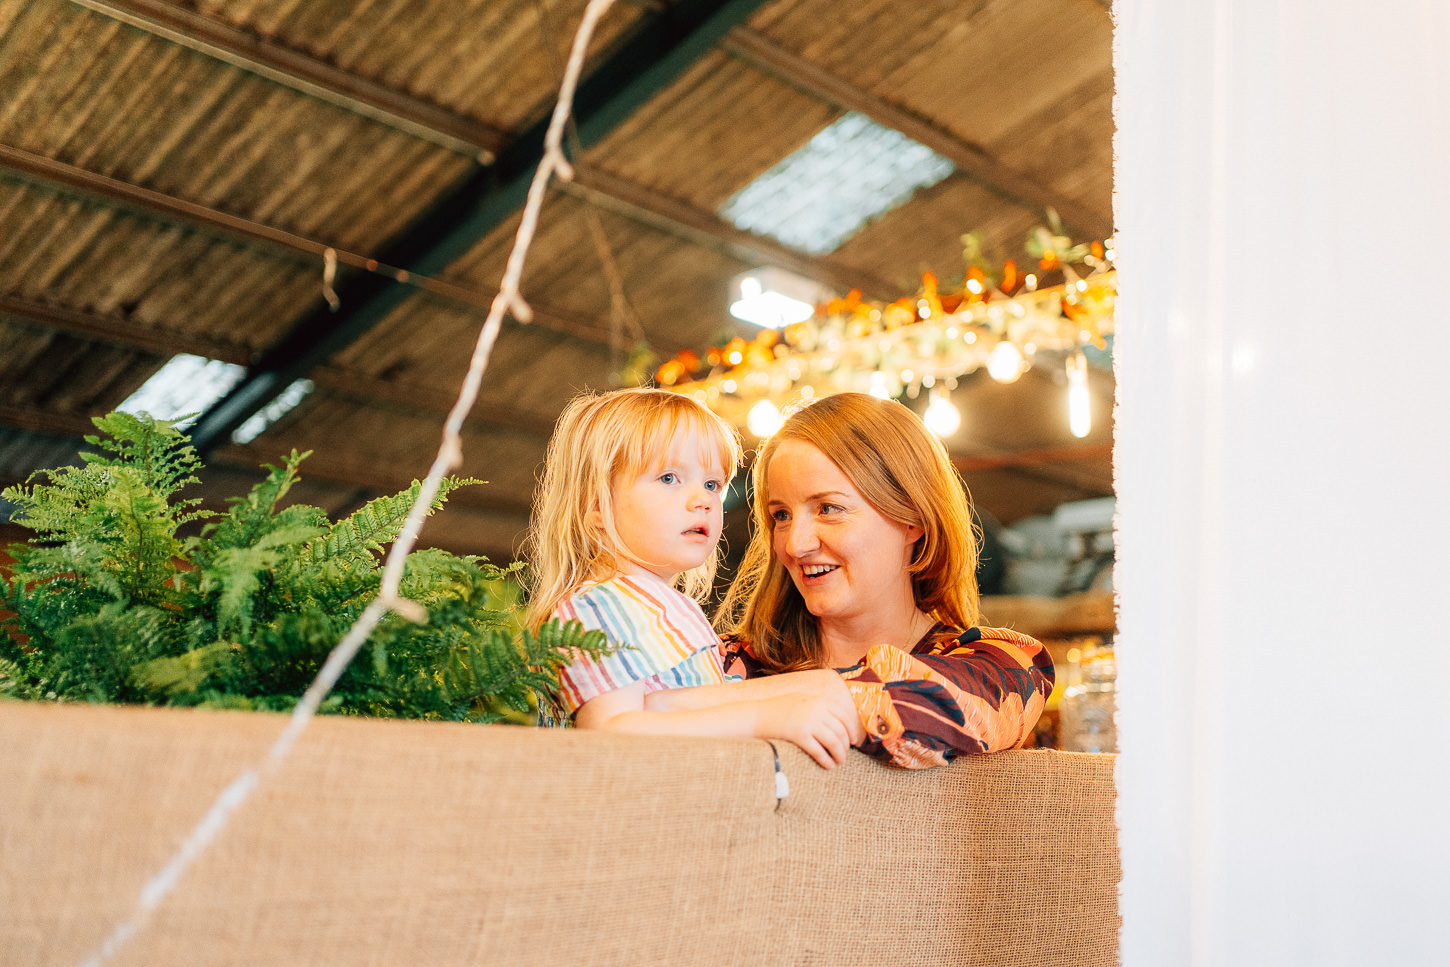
x,y
846,559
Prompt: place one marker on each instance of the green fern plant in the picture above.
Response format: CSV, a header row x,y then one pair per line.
x,y
113,601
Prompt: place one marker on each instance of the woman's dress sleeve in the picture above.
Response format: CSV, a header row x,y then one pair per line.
x,y
980,692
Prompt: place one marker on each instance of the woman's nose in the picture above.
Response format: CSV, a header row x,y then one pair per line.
x,y
800,537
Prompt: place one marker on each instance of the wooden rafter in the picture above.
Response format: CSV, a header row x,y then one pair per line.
x,y
769,57
117,329
708,230
283,65
120,331
197,216
36,420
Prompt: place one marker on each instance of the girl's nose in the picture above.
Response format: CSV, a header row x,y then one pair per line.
x,y
701,496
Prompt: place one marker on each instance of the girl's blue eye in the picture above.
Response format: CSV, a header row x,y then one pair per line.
x,y
713,486
668,478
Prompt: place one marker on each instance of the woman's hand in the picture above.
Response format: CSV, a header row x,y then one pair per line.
x,y
812,709
820,724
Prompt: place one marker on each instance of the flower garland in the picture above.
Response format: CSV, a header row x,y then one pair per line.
x,y
1000,320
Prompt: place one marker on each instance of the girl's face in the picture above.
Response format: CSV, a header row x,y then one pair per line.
x,y
846,559
669,516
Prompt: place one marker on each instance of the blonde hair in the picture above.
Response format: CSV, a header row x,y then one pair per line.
x,y
598,439
904,473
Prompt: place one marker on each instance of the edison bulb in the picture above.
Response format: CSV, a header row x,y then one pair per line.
x,y
1004,362
941,417
1079,402
764,419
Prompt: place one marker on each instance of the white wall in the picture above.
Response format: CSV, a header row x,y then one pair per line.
x,y
1283,467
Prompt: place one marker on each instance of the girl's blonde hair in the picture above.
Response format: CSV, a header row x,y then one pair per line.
x,y
902,471
598,439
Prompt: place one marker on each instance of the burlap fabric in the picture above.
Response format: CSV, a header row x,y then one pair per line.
x,y
402,843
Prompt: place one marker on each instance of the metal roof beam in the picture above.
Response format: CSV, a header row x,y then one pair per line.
x,y
658,51
770,58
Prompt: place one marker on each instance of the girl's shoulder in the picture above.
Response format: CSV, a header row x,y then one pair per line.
x,y
623,587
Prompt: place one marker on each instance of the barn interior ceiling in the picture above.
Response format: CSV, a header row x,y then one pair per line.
x,y
324,194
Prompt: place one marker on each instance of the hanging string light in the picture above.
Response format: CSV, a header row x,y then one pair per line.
x,y
1079,401
764,419
942,416
1005,363
1003,321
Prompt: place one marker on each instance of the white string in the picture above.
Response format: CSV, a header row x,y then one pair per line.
x,y
449,457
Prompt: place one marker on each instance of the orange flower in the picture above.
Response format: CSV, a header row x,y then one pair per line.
x,y
797,332
1009,276
838,307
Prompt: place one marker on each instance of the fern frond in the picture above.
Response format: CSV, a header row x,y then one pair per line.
x,y
183,673
363,535
155,449
251,515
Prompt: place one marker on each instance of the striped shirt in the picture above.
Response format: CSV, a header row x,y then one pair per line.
x,y
663,639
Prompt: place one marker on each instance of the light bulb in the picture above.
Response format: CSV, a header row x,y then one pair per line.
x,y
1004,362
941,417
878,387
1079,403
763,419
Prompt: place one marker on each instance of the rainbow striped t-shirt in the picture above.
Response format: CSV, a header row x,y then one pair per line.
x,y
664,639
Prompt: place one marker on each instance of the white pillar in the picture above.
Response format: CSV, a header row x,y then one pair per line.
x,y
1283,461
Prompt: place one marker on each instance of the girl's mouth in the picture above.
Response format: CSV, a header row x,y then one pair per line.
x,y
816,570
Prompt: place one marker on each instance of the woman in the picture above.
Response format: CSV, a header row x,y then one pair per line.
x,y
863,560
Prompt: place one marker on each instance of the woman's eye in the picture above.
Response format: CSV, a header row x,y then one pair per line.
x,y
668,478
830,508
779,516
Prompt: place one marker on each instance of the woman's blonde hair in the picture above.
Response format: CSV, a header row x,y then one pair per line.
x,y
598,439
902,471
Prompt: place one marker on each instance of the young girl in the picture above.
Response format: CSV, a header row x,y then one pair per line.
x,y
629,511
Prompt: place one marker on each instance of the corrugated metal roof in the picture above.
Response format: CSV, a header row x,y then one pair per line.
x,y
160,192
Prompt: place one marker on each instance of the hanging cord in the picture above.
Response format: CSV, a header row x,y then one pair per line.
x,y
782,784
621,313
329,275
449,457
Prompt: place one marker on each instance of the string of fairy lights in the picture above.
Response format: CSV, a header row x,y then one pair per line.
x,y
1005,320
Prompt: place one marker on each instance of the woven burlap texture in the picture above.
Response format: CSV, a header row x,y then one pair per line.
x,y
408,843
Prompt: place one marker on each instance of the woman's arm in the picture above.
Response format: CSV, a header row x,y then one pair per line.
x,y
823,725
981,692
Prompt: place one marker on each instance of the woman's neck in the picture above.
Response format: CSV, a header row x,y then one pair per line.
x,y
845,642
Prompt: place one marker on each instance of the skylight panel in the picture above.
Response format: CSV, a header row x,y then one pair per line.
x,y
286,402
185,387
848,174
